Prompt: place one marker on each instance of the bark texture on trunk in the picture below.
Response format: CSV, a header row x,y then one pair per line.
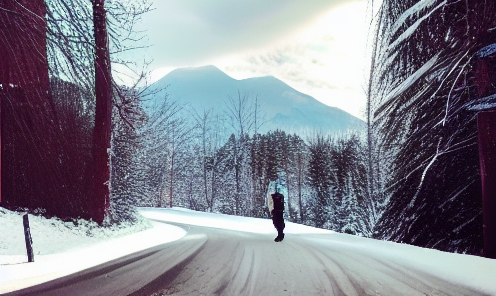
x,y
485,76
486,122
29,127
100,177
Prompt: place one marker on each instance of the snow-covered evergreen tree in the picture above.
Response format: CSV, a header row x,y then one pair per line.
x,y
423,88
320,180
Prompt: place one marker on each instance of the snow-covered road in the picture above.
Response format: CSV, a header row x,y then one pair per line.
x,y
237,256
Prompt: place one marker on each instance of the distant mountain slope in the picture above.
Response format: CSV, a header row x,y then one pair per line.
x,y
284,107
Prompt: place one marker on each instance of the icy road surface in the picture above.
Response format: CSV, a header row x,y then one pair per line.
x,y
219,261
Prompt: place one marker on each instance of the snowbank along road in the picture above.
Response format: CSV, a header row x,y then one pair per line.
x,y
213,261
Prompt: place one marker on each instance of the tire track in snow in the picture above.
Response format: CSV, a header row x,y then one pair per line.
x,y
211,261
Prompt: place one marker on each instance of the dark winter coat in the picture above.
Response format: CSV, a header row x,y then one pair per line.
x,y
276,208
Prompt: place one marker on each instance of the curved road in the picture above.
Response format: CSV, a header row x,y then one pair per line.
x,y
210,261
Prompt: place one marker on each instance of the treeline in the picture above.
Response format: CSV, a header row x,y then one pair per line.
x,y
204,162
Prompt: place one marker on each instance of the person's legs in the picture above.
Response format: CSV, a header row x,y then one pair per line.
x,y
280,235
280,230
278,221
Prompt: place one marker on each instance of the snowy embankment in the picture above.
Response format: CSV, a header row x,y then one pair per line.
x,y
62,248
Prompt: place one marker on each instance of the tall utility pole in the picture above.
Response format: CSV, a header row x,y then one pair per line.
x,y
486,123
99,199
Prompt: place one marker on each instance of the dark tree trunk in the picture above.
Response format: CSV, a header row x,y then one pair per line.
x,y
100,182
486,122
1,99
485,75
30,150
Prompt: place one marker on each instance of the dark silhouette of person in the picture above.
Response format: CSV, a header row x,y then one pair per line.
x,y
276,208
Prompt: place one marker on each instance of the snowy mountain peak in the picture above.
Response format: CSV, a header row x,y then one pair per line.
x,y
205,72
284,107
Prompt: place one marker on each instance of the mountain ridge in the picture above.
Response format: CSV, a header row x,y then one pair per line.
x,y
285,108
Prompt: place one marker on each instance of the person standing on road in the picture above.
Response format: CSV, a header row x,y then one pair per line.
x,y
276,208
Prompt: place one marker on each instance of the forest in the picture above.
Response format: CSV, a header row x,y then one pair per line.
x,y
412,176
218,163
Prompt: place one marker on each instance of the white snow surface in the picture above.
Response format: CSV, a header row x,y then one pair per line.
x,y
487,51
415,9
410,30
61,250
254,225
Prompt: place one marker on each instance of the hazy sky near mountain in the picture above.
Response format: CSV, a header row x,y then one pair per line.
x,y
317,47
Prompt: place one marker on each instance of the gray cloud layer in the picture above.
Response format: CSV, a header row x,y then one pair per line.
x,y
190,32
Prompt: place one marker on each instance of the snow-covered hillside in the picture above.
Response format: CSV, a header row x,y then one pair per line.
x,y
285,108
457,270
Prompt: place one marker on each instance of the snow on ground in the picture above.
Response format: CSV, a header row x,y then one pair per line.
x,y
458,269
51,236
62,249
255,225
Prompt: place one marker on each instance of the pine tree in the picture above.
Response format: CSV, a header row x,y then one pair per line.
x,y
300,168
319,175
423,89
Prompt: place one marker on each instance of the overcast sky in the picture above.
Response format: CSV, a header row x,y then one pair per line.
x,y
317,46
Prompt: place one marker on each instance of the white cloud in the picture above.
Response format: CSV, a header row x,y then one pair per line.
x,y
191,32
317,47
326,60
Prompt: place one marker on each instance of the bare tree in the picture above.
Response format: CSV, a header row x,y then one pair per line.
x,y
100,176
209,134
240,112
213,161
57,41
156,140
180,132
